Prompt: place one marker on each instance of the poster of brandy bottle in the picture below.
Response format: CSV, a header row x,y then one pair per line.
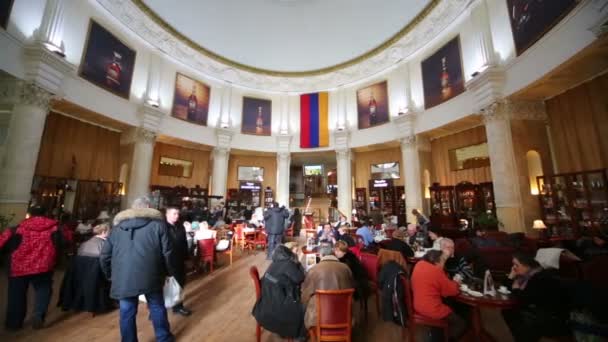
x,y
372,105
442,75
257,116
191,100
107,62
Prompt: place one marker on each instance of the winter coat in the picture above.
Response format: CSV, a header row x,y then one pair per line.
x,y
274,219
279,309
180,250
329,274
393,301
362,289
138,254
84,288
33,246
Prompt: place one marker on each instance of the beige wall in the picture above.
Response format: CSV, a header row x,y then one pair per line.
x,y
269,163
529,135
200,169
440,148
364,160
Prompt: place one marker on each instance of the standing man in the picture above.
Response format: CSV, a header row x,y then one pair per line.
x,y
136,257
275,226
33,248
177,232
421,220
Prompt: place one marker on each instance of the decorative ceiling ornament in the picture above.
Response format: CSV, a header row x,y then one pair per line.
x,y
434,19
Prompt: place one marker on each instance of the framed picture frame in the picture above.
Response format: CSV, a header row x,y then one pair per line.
x,y
5,12
372,105
190,100
442,74
256,117
532,19
107,62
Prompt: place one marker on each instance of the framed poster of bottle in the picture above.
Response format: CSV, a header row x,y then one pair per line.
x,y
442,75
257,116
191,100
107,62
372,105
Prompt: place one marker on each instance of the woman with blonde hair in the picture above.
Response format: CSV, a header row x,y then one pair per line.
x,y
92,247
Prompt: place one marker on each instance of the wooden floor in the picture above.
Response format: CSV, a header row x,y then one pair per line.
x,y
221,303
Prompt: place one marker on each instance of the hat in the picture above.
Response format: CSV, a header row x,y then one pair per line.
x,y
103,215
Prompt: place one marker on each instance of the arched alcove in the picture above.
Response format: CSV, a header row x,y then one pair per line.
x,y
535,169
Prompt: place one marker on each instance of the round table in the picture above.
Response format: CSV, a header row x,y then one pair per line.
x,y
499,301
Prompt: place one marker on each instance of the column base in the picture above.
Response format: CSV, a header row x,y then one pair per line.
x,y
17,210
511,219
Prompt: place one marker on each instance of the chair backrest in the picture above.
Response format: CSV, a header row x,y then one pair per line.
x,y
370,264
260,236
206,247
386,255
238,231
334,315
255,275
407,295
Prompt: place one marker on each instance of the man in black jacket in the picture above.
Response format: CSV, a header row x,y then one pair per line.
x,y
274,223
136,257
180,252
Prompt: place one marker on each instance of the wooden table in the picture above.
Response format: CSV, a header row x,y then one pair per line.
x,y
499,301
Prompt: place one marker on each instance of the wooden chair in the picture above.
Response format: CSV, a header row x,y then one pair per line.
x,y
415,319
206,252
370,264
229,250
255,276
239,235
260,240
334,315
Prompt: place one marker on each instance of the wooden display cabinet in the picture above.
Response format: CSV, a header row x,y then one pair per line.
x,y
268,197
466,199
573,203
400,205
443,214
486,197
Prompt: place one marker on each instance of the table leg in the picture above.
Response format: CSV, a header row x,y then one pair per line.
x,y
479,332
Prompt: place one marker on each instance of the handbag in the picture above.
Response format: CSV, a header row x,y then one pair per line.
x,y
172,293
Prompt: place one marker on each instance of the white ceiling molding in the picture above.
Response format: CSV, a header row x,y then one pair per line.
x,y
445,12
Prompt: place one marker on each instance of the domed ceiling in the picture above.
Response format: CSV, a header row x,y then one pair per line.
x,y
287,35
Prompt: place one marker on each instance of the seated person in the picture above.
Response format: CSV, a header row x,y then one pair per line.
x,y
482,240
279,310
203,231
411,232
430,286
366,233
396,243
455,265
342,252
597,244
327,234
539,291
344,236
224,238
328,274
92,247
342,221
435,237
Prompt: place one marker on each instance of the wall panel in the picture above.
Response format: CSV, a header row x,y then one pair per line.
x,y
364,160
269,163
200,168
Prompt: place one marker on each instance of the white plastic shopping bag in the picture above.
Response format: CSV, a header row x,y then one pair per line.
x,y
172,293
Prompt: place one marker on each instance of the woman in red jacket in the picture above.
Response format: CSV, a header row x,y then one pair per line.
x,y
430,284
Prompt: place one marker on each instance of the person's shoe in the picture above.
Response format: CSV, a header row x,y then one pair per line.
x,y
37,323
182,311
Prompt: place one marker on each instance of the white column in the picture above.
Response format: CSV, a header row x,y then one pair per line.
x,y
503,167
411,172
50,32
141,165
153,85
28,115
343,161
221,156
480,19
283,163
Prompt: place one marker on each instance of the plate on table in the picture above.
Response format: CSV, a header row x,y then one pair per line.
x,y
504,292
475,293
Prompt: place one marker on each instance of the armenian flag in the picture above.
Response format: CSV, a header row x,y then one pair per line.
x,y
314,129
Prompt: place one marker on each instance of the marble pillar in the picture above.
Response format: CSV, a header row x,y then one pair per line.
x,y
344,170
283,163
411,172
141,165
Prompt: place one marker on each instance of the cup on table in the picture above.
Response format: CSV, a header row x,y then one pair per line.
x,y
503,289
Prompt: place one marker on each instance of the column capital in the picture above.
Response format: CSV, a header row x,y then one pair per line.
x,y
283,157
487,86
224,137
408,141
145,136
283,143
151,117
220,152
405,124
15,91
515,110
46,68
341,140
344,153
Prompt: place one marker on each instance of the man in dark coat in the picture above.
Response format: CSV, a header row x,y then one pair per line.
x,y
136,257
279,309
274,223
180,252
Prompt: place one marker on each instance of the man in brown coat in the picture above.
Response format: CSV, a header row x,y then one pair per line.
x,y
329,274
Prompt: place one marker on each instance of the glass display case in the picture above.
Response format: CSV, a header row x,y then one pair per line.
x,y
573,203
443,214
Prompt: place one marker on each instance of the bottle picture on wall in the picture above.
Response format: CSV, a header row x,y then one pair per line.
x,y
442,76
191,100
